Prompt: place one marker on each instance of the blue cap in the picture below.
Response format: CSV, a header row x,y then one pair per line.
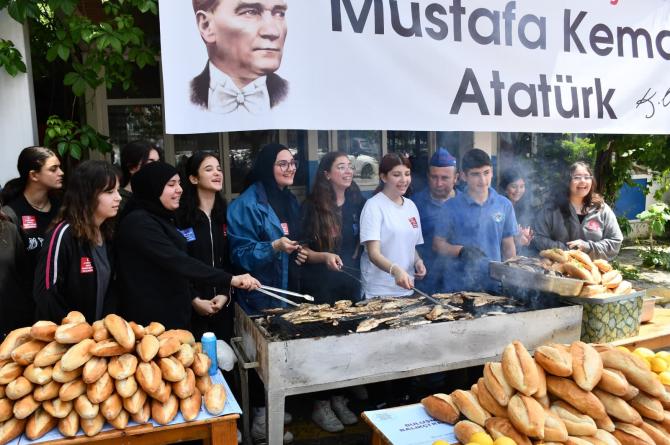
x,y
442,158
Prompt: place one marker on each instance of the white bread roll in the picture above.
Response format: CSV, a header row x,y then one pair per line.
x,y
73,333
94,369
120,331
25,354
47,392
92,426
122,367
86,409
77,355
71,390
147,348
39,424
13,340
164,413
37,375
50,354
62,376
186,387
44,331
99,391
126,387
190,406
69,426
57,408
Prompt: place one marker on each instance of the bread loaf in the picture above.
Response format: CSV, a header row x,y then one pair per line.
x,y
126,387
50,354
629,434
658,435
186,387
168,346
201,364
9,372
587,366
57,408
39,424
147,348
19,388
111,407
499,427
603,265
120,331
69,426
465,401
465,429
14,339
25,407
122,367
138,330
92,426
71,390
568,391
204,382
73,333
99,391
184,336
143,415
148,376
77,355
519,368
605,423
37,375
121,421
647,407
631,393
612,279
623,288
85,408
555,255
6,409
190,406
215,399
74,317
25,354
44,331
606,437
496,383
185,355
554,427
163,413
172,370
47,392
439,406
11,429
635,370
487,401
591,290
527,416
94,369
100,332
162,393
108,348
618,408
614,382
541,383
134,403
2,390
576,423
154,328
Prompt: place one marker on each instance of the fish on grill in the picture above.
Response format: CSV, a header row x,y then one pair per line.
x,y
541,265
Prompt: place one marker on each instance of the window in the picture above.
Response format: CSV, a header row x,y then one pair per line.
x,y
323,143
135,122
364,150
186,144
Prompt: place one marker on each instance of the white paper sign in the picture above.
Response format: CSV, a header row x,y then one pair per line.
x,y
410,425
472,65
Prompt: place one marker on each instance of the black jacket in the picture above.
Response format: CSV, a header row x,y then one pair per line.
x,y
154,271
208,243
66,277
277,88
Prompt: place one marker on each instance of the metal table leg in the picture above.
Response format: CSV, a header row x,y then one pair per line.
x,y
274,402
243,366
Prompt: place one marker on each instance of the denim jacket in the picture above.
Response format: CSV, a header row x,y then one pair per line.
x,y
252,226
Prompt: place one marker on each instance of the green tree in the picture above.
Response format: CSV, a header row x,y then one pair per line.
x,y
88,48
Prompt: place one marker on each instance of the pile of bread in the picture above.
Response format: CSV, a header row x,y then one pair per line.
x,y
601,279
575,394
77,375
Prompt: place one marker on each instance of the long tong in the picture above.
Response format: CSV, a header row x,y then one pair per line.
x,y
288,292
273,295
435,300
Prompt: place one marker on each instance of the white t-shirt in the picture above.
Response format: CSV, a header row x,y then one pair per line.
x,y
398,229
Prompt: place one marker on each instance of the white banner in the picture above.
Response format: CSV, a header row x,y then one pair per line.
x,y
596,66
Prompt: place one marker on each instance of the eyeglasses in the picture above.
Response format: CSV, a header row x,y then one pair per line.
x,y
345,167
582,178
284,165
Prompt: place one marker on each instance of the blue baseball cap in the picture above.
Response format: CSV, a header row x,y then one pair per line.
x,y
442,158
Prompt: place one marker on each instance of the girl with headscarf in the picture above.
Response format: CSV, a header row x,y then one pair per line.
x,y
155,269
75,266
263,227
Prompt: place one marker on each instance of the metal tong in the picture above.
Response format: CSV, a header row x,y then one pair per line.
x,y
288,292
278,297
435,300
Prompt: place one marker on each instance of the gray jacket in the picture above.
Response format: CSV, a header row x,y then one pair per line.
x,y
599,228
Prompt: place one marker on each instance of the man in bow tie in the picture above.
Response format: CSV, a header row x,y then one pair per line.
x,y
245,42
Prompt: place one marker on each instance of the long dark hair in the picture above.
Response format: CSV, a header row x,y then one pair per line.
x,y
325,225
133,154
592,200
30,159
389,162
88,180
189,211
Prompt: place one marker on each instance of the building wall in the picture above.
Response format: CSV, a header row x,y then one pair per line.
x,y
18,125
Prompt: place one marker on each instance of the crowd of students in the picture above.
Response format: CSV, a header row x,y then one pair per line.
x,y
157,243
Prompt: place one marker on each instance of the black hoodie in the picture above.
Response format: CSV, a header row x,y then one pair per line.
x,y
154,268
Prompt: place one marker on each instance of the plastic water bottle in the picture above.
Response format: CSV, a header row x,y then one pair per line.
x,y
209,347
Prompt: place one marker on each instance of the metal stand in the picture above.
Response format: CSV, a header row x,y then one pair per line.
x,y
243,367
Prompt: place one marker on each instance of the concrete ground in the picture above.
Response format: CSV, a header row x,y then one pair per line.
x,y
656,282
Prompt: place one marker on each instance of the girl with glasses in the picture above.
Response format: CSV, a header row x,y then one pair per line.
x,y
578,218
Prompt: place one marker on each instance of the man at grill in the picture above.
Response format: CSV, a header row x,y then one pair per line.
x,y
478,227
442,175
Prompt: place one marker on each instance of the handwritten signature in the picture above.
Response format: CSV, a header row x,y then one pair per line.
x,y
651,104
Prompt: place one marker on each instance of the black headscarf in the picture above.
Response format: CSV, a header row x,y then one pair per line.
x,y
148,184
280,200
